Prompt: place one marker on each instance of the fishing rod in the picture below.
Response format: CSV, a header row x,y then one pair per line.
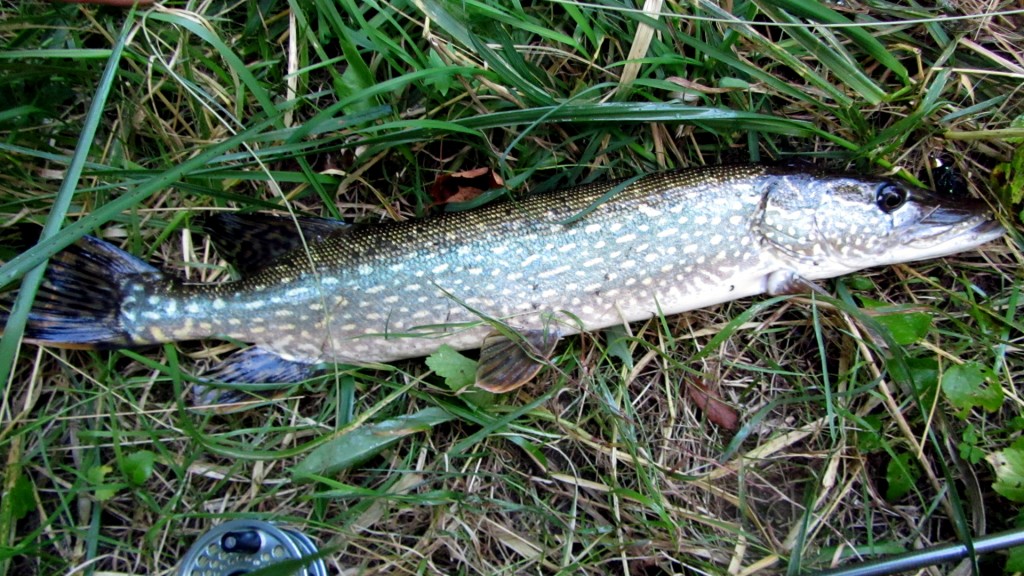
x,y
931,556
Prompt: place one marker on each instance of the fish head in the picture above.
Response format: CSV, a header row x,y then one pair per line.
x,y
826,226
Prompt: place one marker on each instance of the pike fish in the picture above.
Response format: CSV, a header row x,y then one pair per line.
x,y
511,278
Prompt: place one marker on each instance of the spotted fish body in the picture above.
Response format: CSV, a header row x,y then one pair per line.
x,y
582,259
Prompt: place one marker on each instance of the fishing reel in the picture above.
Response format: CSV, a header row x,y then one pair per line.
x,y
238,547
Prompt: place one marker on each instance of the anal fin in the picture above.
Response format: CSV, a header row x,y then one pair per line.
x,y
506,364
237,378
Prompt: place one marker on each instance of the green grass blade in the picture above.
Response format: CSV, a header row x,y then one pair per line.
x,y
830,53
366,441
33,277
820,12
20,264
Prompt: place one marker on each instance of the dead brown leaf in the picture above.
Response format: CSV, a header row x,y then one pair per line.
x,y
464,185
712,404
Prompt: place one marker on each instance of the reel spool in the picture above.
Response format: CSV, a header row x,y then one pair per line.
x,y
238,547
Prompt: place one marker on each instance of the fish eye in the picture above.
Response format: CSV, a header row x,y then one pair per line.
x,y
890,197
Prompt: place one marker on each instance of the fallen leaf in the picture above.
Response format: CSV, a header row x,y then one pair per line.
x,y
713,406
464,186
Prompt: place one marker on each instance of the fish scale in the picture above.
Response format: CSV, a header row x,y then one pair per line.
x,y
400,290
543,267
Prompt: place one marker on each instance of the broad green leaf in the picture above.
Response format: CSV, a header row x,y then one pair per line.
x,y
1015,560
859,283
22,497
968,447
459,374
1009,468
1010,176
96,475
971,453
901,474
618,345
442,83
869,437
906,328
1017,122
137,467
458,371
965,387
364,442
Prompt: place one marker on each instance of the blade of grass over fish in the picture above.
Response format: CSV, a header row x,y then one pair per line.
x,y
33,277
604,198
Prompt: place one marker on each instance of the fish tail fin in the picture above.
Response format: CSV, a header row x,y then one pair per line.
x,y
78,304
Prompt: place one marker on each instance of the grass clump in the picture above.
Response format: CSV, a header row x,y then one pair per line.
x,y
845,447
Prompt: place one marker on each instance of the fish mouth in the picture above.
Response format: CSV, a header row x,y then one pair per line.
x,y
946,232
990,229
967,221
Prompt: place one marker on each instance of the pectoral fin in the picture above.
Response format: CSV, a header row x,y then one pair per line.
x,y
247,371
789,282
506,364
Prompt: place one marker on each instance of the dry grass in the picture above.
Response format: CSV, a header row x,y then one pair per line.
x,y
605,465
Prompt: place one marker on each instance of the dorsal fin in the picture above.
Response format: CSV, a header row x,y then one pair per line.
x,y
251,241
